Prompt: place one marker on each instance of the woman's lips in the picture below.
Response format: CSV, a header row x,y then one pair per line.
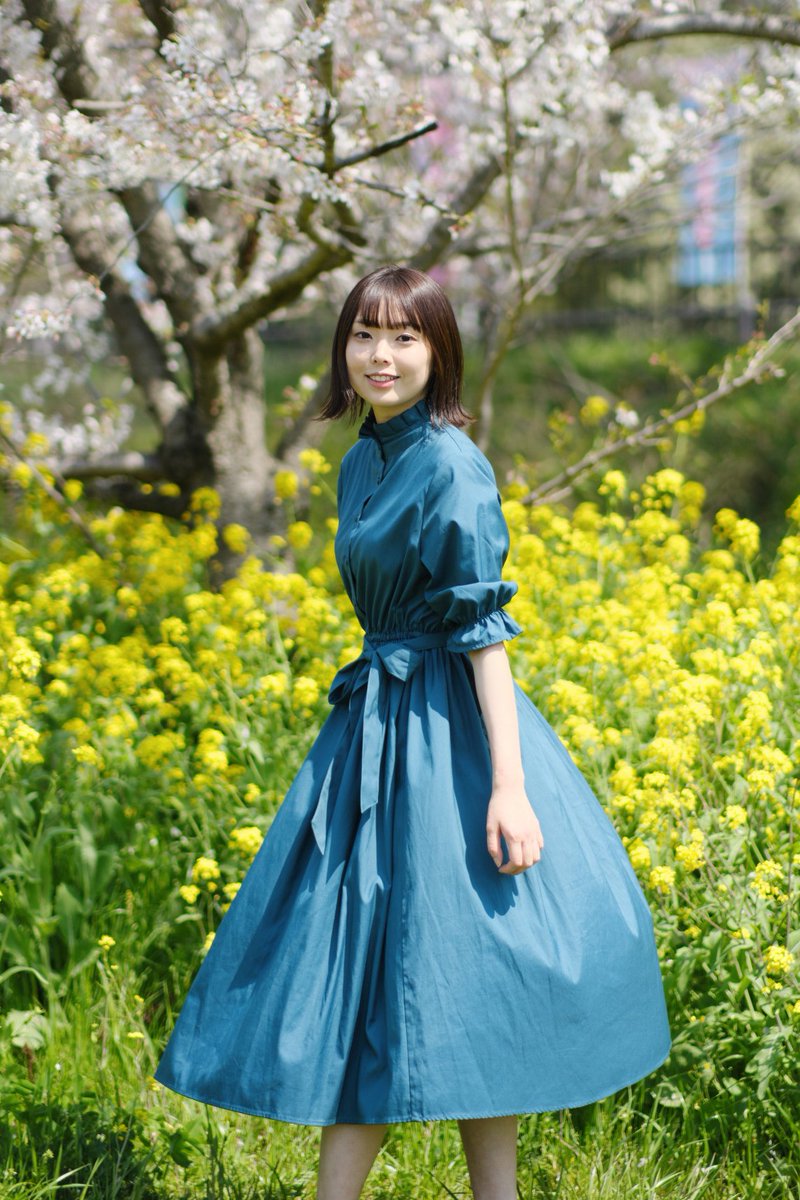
x,y
382,383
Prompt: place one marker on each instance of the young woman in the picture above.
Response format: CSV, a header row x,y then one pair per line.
x,y
442,922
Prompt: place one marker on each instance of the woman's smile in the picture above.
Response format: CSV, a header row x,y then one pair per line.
x,y
382,380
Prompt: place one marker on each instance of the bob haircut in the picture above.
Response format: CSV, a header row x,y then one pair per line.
x,y
400,296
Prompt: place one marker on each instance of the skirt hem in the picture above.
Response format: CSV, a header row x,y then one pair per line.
x,y
398,1120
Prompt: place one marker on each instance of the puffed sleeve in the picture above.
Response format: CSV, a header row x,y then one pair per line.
x,y
463,546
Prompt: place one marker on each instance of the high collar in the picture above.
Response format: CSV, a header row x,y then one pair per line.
x,y
401,429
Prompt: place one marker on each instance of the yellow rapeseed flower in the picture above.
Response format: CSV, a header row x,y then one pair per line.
x,y
734,816
21,474
88,754
189,892
299,535
247,840
305,691
690,856
593,410
314,461
778,960
613,484
572,698
662,879
725,519
745,538
639,854
276,683
205,869
210,752
286,485
765,876
666,481
156,748
206,500
236,538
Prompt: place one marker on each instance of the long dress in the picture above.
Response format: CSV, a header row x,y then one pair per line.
x,y
375,966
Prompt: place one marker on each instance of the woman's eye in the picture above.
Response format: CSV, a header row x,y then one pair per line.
x,y
405,337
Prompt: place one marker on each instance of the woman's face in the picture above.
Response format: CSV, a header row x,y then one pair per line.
x,y
388,367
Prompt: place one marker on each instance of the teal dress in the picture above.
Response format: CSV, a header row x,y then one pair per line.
x,y
375,966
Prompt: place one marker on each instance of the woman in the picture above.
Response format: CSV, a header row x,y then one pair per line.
x,y
442,922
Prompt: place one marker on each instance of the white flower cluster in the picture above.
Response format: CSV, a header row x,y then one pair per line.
x,y
51,316
99,431
25,198
247,103
34,320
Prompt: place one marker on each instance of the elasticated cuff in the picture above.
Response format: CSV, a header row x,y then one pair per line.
x,y
495,626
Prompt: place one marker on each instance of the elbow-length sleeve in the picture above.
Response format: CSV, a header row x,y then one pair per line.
x,y
463,546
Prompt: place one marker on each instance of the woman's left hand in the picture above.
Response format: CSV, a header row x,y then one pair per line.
x,y
510,814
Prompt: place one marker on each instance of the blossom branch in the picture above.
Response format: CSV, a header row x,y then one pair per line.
x,y
159,250
561,485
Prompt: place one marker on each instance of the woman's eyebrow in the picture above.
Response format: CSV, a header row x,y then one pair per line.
x,y
371,325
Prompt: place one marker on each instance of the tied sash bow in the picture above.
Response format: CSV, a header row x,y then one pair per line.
x,y
382,667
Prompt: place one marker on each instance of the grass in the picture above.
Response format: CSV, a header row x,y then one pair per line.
x,y
92,1129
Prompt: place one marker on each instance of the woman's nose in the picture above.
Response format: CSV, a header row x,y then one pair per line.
x,y
381,350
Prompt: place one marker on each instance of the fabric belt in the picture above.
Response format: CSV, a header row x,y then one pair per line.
x,y
384,665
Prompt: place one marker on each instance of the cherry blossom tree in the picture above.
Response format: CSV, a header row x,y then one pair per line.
x,y
498,140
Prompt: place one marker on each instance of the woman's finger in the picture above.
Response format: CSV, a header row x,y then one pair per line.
x,y
493,845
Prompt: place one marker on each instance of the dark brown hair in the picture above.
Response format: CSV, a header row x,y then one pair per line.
x,y
401,296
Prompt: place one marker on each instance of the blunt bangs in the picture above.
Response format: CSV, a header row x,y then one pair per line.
x,y
394,297
388,303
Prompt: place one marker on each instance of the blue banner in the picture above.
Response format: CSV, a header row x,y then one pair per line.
x,y
707,238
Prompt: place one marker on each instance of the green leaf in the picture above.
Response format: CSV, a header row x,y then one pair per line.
x,y
29,1029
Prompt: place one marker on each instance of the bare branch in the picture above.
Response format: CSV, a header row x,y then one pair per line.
x,y
73,72
160,254
634,27
441,234
73,516
402,139
161,15
147,468
561,485
211,333
99,108
138,342
130,497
